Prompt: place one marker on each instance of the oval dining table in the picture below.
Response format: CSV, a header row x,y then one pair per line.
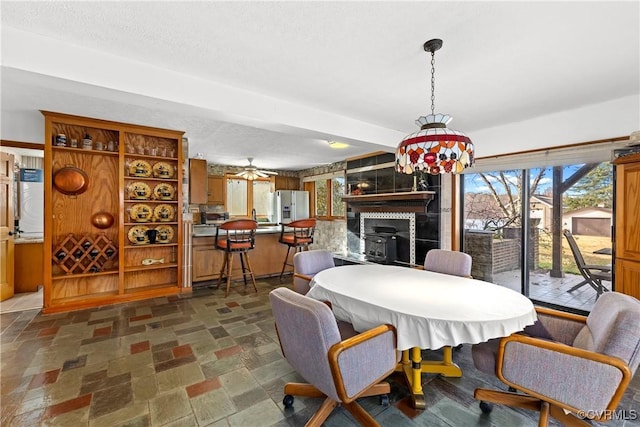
x,y
429,311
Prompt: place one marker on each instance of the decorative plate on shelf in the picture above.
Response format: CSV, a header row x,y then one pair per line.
x,y
164,213
163,170
164,191
138,235
139,191
141,213
140,168
165,233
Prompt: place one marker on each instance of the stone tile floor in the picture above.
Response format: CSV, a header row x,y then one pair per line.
x,y
22,301
198,360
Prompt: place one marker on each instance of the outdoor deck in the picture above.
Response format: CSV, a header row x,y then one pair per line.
x,y
543,287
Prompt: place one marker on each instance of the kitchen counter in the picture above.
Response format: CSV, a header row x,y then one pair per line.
x,y
23,240
266,258
204,230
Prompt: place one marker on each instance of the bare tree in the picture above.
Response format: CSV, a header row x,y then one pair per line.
x,y
501,207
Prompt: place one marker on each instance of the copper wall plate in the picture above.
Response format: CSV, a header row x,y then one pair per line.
x,y
71,180
102,220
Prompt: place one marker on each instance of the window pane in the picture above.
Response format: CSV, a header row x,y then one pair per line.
x,y
492,235
321,197
237,197
263,201
584,208
337,191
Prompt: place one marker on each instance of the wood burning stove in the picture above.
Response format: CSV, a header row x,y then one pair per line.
x,y
381,245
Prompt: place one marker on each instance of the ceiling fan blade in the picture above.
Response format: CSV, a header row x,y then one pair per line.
x,y
269,172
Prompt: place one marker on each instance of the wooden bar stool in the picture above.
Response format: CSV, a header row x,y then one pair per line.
x,y
299,238
240,239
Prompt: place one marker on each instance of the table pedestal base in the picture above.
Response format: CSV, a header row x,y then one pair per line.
x,y
414,368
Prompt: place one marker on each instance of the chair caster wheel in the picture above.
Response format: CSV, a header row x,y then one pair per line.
x,y
486,408
384,400
287,401
512,390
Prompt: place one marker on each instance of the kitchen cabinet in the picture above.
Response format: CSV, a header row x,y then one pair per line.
x,y
198,181
28,261
215,190
113,224
627,225
287,183
207,260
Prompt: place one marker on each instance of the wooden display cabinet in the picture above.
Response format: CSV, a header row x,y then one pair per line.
x,y
627,225
87,265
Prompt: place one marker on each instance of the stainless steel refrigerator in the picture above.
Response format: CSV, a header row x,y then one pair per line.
x,y
291,205
31,203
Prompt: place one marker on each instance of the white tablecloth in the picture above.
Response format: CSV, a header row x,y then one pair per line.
x,y
429,310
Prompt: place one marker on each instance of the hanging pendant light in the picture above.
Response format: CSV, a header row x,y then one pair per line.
x,y
434,148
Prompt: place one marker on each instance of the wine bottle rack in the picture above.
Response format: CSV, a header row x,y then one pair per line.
x,y
85,254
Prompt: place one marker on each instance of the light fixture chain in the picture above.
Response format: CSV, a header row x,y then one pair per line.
x,y
433,81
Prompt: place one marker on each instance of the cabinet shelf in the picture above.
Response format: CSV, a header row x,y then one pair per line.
x,y
83,151
154,245
149,267
168,202
79,275
83,298
148,157
150,178
152,223
163,287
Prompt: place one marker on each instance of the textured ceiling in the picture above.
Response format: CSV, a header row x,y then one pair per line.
x,y
353,71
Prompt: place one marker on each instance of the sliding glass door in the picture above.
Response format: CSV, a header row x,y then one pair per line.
x,y
517,226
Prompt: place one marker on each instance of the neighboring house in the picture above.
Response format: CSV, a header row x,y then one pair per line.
x,y
589,221
482,209
541,207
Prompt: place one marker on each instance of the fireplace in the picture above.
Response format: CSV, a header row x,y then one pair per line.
x,y
381,246
403,225
414,218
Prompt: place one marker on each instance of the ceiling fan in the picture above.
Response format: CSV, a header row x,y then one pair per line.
x,y
251,172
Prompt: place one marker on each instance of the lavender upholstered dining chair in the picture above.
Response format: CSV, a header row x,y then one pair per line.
x,y
306,265
339,370
566,364
448,262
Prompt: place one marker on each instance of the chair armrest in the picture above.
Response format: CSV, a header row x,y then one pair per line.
x,y
604,268
556,325
561,314
363,360
301,283
554,372
302,276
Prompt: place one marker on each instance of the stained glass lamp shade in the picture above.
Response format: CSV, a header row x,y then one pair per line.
x,y
434,148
